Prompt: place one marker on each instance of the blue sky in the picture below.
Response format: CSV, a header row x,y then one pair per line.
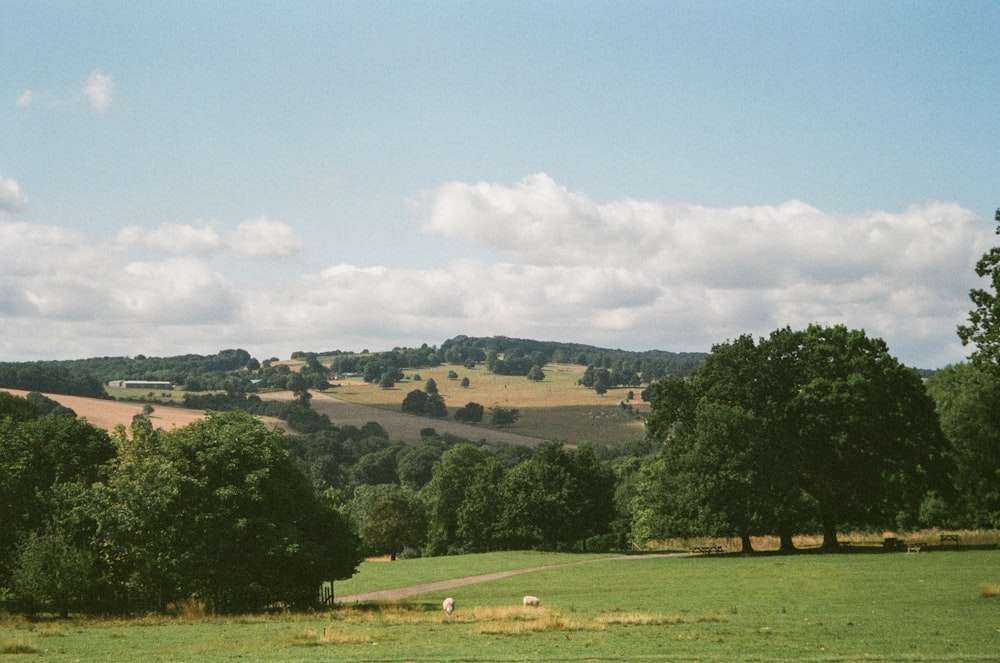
x,y
186,177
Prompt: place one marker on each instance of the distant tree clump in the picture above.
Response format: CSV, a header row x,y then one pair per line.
x,y
470,413
502,416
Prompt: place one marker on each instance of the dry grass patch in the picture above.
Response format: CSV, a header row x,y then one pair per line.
x,y
989,590
17,646
515,621
640,619
312,638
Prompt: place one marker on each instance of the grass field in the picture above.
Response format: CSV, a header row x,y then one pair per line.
x,y
806,607
556,408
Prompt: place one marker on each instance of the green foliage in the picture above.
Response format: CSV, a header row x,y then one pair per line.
x,y
966,397
36,457
51,573
983,329
389,518
218,510
426,402
470,413
503,416
820,427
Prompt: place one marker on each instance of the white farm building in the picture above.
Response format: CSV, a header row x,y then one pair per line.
x,y
141,384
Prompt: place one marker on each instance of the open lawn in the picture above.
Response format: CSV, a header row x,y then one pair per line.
x,y
556,408
805,607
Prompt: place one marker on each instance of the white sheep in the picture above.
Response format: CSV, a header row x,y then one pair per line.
x,y
533,601
449,605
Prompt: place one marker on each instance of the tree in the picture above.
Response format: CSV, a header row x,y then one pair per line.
x,y
37,455
983,329
465,382
470,413
217,509
555,498
536,373
445,493
415,402
966,397
502,416
389,518
821,426
53,573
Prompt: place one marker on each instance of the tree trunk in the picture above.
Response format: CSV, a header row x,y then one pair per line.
x,y
746,544
830,536
786,544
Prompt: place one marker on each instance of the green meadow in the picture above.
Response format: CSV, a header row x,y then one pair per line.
x,y
940,605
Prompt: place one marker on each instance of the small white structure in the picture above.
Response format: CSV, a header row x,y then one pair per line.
x,y
449,605
532,601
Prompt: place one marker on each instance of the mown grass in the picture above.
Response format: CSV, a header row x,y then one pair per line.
x,y
375,575
556,408
811,607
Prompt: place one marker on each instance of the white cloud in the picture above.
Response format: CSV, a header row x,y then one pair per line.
x,y
264,238
629,274
12,199
99,91
171,238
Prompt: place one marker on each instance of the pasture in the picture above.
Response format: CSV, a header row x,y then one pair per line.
x,y
556,408
813,607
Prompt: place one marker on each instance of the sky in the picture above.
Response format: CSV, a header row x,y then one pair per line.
x,y
186,177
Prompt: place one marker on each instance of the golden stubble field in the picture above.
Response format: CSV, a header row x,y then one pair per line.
x,y
556,408
107,414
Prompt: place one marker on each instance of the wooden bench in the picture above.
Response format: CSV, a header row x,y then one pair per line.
x,y
949,537
705,550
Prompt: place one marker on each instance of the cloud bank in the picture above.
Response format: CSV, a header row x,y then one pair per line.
x,y
630,274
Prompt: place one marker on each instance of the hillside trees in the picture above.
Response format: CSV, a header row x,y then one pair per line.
x,y
829,430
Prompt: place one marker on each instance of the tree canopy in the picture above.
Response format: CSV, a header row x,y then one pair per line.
x,y
803,430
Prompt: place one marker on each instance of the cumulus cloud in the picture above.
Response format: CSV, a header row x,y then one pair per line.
x,y
253,238
631,274
99,91
264,238
12,199
725,271
172,238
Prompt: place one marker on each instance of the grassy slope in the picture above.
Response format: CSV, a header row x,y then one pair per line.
x,y
921,607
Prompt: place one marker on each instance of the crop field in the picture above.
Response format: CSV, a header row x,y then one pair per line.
x,y
931,606
107,413
556,408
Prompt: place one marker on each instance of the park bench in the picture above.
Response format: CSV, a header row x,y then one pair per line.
x,y
953,538
915,546
705,550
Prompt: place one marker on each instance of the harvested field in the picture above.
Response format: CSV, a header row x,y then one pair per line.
x,y
107,413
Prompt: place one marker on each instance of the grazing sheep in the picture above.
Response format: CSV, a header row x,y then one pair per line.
x,y
449,605
533,601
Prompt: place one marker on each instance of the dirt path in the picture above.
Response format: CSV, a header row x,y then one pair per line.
x,y
401,427
402,592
